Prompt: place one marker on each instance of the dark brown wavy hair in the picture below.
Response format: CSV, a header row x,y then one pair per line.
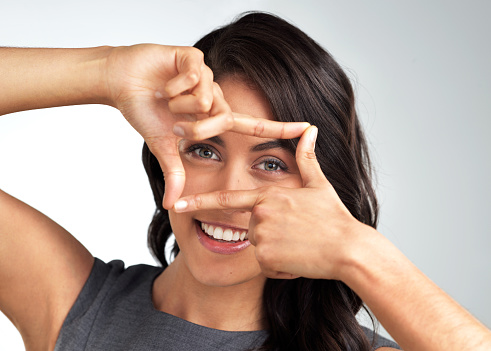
x,y
302,82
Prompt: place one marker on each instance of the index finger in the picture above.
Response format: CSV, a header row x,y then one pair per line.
x,y
265,128
243,124
219,200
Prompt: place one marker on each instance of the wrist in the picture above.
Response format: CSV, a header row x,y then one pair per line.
x,y
360,252
95,66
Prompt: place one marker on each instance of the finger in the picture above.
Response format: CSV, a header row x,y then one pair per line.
x,y
266,128
204,128
166,152
243,124
310,169
189,62
197,100
220,200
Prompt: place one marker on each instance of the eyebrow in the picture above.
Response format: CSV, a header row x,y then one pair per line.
x,y
284,144
274,144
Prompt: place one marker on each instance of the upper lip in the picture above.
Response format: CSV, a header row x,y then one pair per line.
x,y
223,225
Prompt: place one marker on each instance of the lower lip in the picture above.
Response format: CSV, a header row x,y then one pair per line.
x,y
220,247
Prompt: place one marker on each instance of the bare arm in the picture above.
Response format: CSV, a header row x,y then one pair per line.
x,y
414,310
42,267
39,78
42,270
418,314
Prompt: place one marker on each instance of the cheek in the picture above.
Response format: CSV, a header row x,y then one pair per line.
x,y
295,181
199,180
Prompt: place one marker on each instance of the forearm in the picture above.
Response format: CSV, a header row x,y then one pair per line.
x,y
38,78
416,312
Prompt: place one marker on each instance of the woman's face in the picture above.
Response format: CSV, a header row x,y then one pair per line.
x,y
229,161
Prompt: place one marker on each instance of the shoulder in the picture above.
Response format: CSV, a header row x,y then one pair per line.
x,y
111,280
379,342
111,286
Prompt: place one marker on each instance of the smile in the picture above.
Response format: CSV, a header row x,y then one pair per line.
x,y
220,239
224,234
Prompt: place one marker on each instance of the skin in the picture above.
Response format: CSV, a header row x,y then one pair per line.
x,y
209,276
166,94
154,87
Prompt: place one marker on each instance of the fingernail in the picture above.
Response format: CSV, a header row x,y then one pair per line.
x,y
179,131
313,136
180,205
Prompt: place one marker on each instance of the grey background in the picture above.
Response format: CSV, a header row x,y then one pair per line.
x,y
422,74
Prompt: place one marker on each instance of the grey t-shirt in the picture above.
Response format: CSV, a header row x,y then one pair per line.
x,y
114,311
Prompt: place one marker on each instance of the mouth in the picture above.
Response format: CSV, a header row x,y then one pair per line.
x,y
224,234
222,239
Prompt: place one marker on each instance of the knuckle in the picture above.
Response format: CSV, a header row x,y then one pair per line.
x,y
197,52
198,202
262,254
224,198
207,71
271,192
259,129
261,213
194,132
228,121
283,132
203,104
173,174
265,255
309,155
192,78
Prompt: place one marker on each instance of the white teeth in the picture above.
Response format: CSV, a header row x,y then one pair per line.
x,y
236,236
218,233
224,234
228,234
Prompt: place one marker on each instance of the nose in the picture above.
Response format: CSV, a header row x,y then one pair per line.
x,y
236,177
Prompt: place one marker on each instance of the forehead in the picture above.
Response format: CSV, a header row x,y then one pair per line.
x,y
245,99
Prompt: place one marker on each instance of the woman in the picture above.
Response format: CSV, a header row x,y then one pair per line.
x,y
271,210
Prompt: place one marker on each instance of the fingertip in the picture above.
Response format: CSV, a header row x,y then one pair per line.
x,y
305,125
172,192
192,77
168,201
180,205
178,131
313,136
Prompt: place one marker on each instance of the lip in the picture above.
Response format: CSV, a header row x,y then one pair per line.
x,y
223,248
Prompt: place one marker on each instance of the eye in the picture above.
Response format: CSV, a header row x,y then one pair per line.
x,y
203,151
272,165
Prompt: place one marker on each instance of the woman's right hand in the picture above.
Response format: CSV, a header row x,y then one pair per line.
x,y
157,86
154,87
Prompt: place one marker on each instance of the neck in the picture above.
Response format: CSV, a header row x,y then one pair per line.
x,y
233,308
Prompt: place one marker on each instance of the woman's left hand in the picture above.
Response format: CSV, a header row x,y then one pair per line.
x,y
304,232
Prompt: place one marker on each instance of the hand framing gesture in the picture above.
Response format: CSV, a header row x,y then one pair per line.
x,y
297,232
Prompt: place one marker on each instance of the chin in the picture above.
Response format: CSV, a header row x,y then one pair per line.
x,y
214,263
219,276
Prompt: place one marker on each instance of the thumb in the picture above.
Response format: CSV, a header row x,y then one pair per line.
x,y
308,166
167,154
